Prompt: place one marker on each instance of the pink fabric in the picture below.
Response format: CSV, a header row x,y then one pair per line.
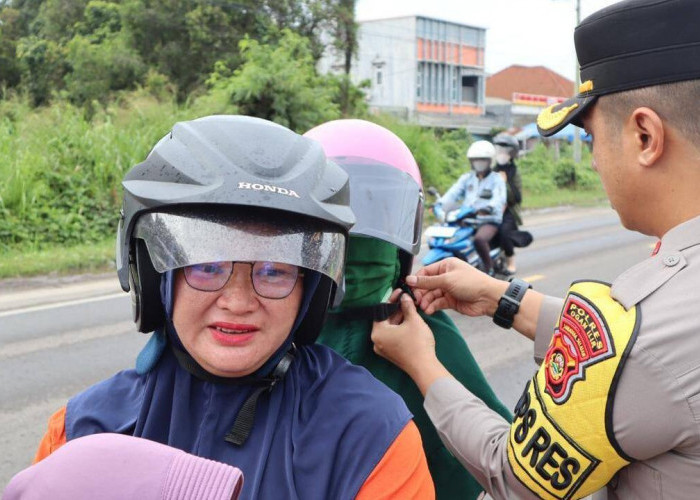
x,y
114,466
367,140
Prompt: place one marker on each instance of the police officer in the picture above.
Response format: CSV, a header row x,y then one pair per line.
x,y
616,400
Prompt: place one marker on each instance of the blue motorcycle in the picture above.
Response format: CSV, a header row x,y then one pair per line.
x,y
455,238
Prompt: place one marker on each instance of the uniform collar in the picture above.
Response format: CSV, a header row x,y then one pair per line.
x,y
639,281
682,236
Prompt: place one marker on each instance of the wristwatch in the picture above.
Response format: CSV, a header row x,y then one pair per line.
x,y
509,304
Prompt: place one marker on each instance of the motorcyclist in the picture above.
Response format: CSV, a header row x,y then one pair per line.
x,y
507,148
386,197
232,240
483,190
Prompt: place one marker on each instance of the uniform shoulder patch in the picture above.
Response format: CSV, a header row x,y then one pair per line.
x,y
581,339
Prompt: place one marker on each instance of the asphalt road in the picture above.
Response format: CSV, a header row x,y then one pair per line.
x,y
57,336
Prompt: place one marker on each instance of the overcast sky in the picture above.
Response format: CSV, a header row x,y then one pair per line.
x,y
527,32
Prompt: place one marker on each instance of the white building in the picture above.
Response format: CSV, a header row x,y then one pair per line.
x,y
425,70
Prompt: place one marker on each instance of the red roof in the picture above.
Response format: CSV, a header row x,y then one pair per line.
x,y
528,80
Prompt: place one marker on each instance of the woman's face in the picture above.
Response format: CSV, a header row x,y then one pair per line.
x,y
233,331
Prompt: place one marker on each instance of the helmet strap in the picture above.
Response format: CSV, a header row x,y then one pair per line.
x,y
245,418
375,312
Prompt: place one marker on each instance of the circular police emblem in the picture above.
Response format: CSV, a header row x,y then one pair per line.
x,y
556,366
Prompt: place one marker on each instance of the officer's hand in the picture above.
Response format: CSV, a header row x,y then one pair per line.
x,y
405,339
454,284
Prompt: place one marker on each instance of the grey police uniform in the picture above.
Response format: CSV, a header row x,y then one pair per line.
x,y
651,376
656,411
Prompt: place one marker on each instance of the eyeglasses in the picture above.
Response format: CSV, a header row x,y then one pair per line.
x,y
272,280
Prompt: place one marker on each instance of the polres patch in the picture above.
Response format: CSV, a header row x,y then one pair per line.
x,y
581,339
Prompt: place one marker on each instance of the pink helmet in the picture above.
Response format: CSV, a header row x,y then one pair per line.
x,y
385,183
367,140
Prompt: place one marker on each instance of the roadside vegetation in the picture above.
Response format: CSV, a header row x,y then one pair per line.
x,y
87,87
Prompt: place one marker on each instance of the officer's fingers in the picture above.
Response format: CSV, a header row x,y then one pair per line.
x,y
437,304
382,336
426,298
395,295
424,282
408,308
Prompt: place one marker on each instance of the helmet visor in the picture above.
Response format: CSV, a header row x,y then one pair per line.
x,y
184,237
387,202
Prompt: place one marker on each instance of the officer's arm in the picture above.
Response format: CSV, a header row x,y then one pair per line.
x,y
476,435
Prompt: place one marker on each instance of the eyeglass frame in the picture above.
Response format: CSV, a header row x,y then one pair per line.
x,y
300,274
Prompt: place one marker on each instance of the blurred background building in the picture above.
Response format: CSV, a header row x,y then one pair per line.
x,y
425,70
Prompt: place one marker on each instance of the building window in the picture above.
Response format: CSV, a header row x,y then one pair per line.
x,y
470,87
455,86
379,77
471,36
419,81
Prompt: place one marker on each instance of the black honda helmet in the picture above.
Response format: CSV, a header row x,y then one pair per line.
x,y
205,182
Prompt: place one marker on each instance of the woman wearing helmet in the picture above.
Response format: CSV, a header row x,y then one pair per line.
x,y
483,190
232,241
507,148
386,197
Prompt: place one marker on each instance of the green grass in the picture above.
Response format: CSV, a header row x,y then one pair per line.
x,y
58,260
61,171
564,197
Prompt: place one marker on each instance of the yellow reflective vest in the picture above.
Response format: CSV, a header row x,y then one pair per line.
x,y
561,443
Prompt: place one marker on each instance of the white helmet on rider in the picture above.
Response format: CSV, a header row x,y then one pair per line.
x,y
480,155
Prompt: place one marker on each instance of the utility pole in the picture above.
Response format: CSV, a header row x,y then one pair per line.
x,y
577,134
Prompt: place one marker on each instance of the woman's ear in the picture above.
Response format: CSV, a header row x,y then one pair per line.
x,y
649,132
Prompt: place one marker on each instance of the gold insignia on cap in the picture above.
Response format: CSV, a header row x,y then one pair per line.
x,y
548,119
586,86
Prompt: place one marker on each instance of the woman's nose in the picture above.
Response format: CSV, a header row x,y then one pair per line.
x,y
239,294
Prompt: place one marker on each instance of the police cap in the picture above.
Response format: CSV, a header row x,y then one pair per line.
x,y
628,45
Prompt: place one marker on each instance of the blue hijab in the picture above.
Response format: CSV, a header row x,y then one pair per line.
x,y
317,434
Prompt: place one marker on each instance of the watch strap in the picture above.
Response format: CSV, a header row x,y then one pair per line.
x,y
509,303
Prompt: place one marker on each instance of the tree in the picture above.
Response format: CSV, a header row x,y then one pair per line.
x,y
10,72
42,63
182,39
278,82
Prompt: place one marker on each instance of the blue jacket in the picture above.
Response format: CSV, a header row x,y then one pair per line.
x,y
468,190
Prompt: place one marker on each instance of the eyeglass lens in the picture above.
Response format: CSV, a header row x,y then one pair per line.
x,y
272,280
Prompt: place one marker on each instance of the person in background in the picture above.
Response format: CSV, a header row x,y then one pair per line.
x,y
616,399
386,197
483,190
507,148
232,239
118,467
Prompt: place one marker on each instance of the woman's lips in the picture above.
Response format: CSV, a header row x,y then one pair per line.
x,y
232,333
